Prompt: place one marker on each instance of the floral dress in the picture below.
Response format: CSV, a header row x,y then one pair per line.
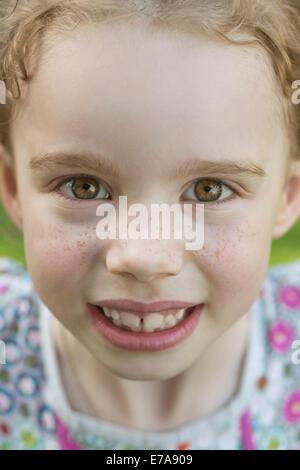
x,y
263,414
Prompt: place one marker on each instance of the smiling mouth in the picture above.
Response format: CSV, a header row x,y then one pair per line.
x,y
145,322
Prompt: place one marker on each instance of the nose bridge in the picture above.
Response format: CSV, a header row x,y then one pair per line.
x,y
144,259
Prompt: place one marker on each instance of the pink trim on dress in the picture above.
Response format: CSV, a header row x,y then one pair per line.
x,y
246,430
62,433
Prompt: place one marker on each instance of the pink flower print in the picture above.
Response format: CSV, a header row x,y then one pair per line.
x,y
290,296
27,386
291,408
48,420
3,288
281,336
6,401
34,338
12,352
23,306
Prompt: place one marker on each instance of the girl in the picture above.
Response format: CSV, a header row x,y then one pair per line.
x,y
142,344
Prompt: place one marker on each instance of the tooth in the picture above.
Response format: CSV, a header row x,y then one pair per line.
x,y
137,328
106,311
129,319
153,321
179,315
170,320
115,314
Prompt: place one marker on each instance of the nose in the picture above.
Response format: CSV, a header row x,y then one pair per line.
x,y
146,260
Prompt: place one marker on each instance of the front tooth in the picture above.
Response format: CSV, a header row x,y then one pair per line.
x,y
179,315
153,321
116,322
170,320
150,322
115,314
131,320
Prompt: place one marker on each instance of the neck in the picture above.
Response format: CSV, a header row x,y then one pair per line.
x,y
157,405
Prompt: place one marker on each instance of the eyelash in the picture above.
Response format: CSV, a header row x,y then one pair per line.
x,y
78,200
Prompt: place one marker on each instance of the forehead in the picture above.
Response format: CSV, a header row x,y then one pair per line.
x,y
124,86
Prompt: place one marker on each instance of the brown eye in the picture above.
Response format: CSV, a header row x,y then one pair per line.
x,y
208,190
85,188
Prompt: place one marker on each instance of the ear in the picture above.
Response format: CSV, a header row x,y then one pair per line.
x,y
289,211
8,188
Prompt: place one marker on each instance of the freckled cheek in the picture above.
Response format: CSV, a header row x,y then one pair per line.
x,y
58,257
235,257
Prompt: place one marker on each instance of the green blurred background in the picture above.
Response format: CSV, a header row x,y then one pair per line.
x,y
284,249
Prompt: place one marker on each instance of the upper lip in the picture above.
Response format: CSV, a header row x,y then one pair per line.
x,y
133,306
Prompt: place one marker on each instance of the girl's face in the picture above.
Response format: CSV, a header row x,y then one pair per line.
x,y
147,104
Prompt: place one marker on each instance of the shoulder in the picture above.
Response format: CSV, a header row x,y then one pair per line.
x,y
281,292
281,309
276,402
16,295
19,327
286,272
281,301
23,411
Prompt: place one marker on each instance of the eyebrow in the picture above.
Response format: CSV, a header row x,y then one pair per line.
x,y
88,160
187,168
223,167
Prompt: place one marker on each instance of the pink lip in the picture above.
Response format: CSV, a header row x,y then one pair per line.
x,y
127,305
155,341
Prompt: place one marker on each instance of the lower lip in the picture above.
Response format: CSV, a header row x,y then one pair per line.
x,y
155,341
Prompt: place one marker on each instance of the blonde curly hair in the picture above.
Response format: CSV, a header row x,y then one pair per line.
x,y
272,25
